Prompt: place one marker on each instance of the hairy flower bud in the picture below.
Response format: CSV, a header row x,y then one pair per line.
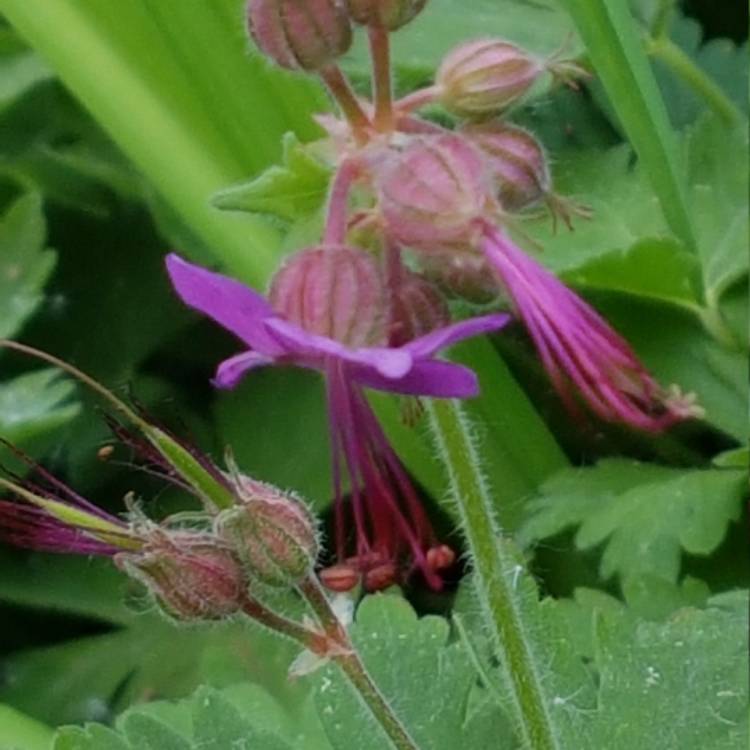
x,y
333,291
391,14
417,309
483,78
463,274
192,575
516,160
433,192
300,34
272,533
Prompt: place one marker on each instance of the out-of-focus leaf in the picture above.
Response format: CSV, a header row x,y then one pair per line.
x,y
289,192
20,69
654,268
540,26
35,404
25,264
182,98
73,585
643,514
280,440
19,732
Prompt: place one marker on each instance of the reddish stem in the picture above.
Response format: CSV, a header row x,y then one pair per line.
x,y
342,92
338,203
417,99
380,51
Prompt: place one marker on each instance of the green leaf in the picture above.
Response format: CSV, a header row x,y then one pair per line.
x,y
19,732
25,264
288,192
695,74
429,679
718,168
240,717
34,405
652,268
613,41
676,684
20,70
644,515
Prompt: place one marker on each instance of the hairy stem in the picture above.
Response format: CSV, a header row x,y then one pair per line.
x,y
337,217
493,561
341,91
380,51
665,50
351,665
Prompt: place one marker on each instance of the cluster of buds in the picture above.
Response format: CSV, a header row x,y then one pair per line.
x,y
366,307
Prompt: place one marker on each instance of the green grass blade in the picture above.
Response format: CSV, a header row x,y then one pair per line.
x,y
620,62
174,85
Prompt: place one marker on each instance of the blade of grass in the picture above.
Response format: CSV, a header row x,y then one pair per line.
x,y
172,83
617,53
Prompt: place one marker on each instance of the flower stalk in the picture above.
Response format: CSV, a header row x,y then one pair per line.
x,y
380,50
494,565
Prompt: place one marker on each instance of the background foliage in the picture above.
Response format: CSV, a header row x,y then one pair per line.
x,y
114,137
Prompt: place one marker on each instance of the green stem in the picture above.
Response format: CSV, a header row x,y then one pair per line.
x,y
662,19
493,561
665,50
351,665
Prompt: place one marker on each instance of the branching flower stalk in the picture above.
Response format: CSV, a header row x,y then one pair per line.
x,y
217,567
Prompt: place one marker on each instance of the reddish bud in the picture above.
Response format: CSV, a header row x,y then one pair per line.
x,y
465,274
433,192
483,78
391,14
272,533
300,34
516,160
333,291
193,576
417,309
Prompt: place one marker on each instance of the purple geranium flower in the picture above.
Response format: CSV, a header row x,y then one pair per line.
x,y
580,350
391,530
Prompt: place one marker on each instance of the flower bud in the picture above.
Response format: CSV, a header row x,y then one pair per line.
x,y
300,34
417,309
391,14
463,274
516,160
483,78
192,575
433,192
273,534
333,291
